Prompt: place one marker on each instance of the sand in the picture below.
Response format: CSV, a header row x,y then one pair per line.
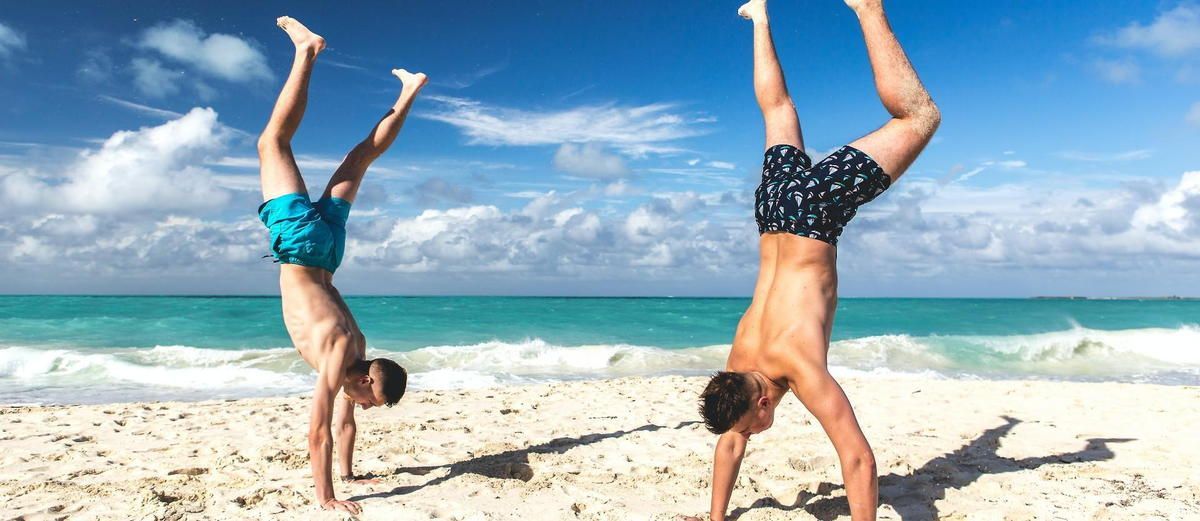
x,y
616,450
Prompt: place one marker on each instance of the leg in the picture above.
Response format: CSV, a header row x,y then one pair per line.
x,y
770,89
346,180
914,115
279,172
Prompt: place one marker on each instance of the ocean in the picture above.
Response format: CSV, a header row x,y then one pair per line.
x,y
76,349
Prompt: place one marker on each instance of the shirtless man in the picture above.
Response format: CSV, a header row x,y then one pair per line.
x,y
782,341
308,240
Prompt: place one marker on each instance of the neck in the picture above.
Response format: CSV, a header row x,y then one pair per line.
x,y
767,386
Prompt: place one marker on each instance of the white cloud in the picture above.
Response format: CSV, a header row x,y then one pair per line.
x,y
138,107
1129,155
150,77
150,169
1193,115
1173,33
218,55
1118,71
97,66
588,160
1177,210
635,131
10,41
723,165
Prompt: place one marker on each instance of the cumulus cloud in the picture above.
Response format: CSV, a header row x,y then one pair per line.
x,y
589,160
550,236
10,41
635,131
1177,210
217,55
150,169
1172,33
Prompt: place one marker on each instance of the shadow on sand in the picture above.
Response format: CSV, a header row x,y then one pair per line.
x,y
913,495
512,464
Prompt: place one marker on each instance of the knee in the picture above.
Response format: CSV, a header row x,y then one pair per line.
x,y
363,154
778,104
269,143
927,117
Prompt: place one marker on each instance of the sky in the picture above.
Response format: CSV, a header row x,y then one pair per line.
x,y
598,148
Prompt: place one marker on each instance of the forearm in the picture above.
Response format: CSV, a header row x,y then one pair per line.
x,y
862,487
345,450
727,460
320,449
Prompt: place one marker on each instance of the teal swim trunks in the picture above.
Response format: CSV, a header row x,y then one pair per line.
x,y
307,233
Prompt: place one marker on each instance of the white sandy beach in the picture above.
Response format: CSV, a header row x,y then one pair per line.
x,y
619,449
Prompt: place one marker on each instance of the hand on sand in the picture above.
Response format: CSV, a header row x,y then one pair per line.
x,y
365,481
348,506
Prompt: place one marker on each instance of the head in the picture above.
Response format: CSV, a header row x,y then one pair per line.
x,y
371,383
736,402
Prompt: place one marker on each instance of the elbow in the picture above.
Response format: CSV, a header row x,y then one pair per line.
x,y
318,439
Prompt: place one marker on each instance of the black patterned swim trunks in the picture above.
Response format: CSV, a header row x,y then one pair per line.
x,y
815,201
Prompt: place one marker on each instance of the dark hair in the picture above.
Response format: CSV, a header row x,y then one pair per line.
x,y
392,377
724,401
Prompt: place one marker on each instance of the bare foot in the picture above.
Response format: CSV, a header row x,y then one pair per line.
x,y
410,80
304,39
858,5
755,10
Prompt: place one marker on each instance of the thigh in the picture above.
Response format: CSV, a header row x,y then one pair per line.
x,y
894,146
348,177
278,172
783,127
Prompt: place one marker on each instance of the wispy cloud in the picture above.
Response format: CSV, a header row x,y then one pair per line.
x,y
138,107
1117,71
635,131
1172,33
588,160
153,79
1130,155
10,41
462,81
1193,115
217,55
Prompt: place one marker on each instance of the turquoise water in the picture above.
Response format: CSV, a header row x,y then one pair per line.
x,y
88,349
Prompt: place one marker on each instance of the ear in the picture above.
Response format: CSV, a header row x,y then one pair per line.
x,y
365,380
763,401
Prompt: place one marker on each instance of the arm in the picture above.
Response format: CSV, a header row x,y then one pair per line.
x,y
825,399
343,421
320,442
731,447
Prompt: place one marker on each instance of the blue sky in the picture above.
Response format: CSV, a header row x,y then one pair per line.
x,y
588,148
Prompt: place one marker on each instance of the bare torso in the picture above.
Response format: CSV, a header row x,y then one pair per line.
x,y
316,316
791,314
